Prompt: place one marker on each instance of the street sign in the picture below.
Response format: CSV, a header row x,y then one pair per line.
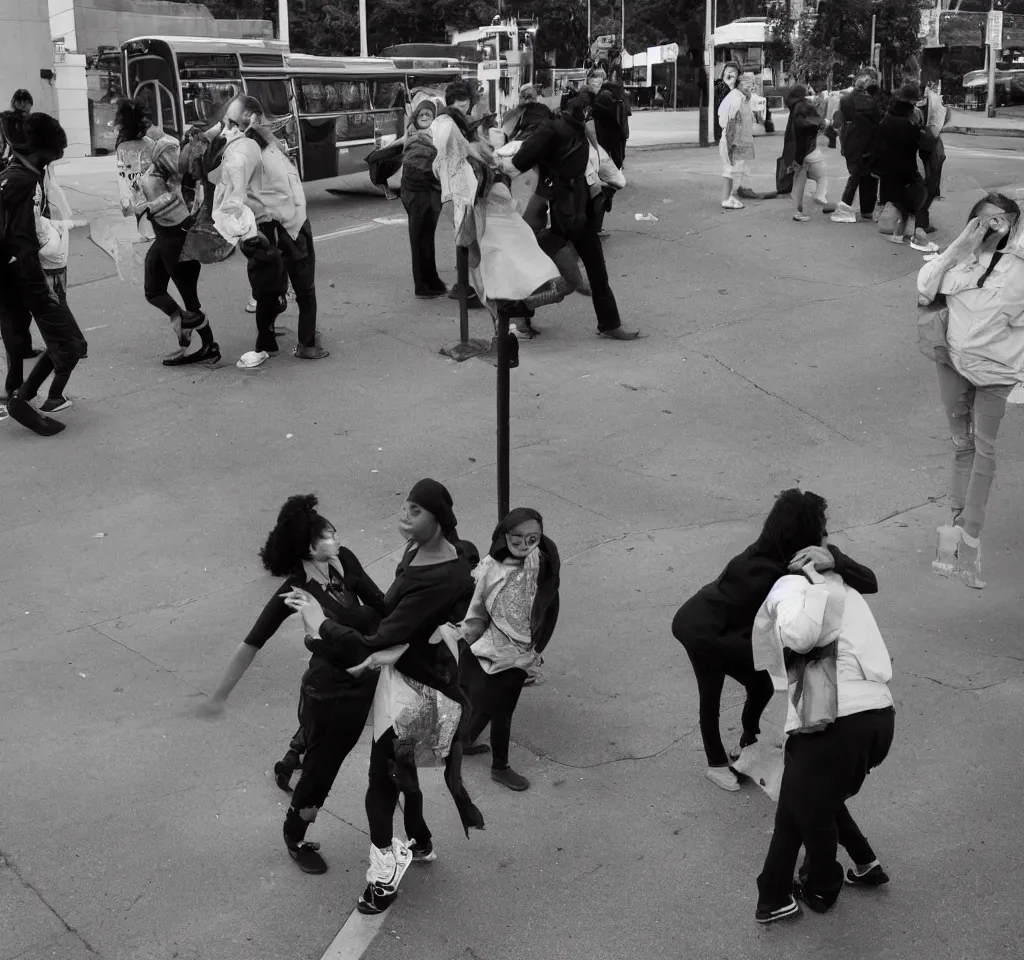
x,y
669,52
59,50
994,33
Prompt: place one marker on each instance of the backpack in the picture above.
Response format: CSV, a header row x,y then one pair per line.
x,y
569,192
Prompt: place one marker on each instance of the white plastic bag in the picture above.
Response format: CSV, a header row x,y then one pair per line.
x,y
234,221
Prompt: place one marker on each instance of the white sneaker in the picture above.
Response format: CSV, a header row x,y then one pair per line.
x,y
252,359
801,217
732,204
388,866
250,307
723,777
844,214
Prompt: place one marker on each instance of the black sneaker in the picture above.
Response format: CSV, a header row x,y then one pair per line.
x,y
875,876
283,776
205,354
307,856
54,405
422,852
771,914
374,900
813,900
507,777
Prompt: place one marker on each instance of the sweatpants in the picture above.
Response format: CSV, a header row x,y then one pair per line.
x,y
330,728
382,796
424,210
822,771
493,698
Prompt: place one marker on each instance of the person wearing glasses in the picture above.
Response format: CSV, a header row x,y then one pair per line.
x,y
509,623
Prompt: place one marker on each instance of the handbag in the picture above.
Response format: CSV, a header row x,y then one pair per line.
x,y
813,687
783,177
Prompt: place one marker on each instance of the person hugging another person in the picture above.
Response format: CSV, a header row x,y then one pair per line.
x,y
801,153
421,197
508,625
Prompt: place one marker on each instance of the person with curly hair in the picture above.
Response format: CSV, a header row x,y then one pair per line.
x,y
714,625
150,186
333,703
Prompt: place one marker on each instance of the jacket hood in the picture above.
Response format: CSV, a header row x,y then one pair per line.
x,y
795,95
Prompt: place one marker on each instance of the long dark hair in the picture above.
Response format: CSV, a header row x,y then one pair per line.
x,y
1007,206
298,525
132,121
796,520
499,545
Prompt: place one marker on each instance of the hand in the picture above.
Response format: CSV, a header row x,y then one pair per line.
x,y
820,557
308,607
970,239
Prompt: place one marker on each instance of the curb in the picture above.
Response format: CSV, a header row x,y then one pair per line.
x,y
652,147
985,131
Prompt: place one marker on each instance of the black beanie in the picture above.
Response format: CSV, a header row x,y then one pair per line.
x,y
434,496
37,131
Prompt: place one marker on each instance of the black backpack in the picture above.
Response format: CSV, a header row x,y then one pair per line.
x,y
568,185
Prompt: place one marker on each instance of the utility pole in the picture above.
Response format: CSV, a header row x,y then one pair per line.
x,y
282,22
364,47
871,51
995,46
708,132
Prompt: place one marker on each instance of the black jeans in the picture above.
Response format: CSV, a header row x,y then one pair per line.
x,y
588,246
493,698
164,264
298,259
45,300
330,728
862,181
424,210
382,797
822,771
713,660
908,198
933,163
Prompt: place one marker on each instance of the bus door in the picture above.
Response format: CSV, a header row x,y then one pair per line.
x,y
276,98
151,76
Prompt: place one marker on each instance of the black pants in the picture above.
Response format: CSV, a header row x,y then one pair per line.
x,y
588,246
933,163
908,198
713,660
861,181
822,771
164,264
424,210
330,728
493,698
297,264
382,797
45,301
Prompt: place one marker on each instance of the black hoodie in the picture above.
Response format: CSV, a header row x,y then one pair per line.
x,y
861,114
802,129
899,139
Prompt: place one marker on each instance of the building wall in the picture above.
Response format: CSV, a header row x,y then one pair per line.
x,y
25,49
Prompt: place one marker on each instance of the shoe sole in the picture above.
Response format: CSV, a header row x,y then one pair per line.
x,y
788,912
64,406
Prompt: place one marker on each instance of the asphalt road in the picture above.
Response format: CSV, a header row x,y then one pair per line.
x,y
779,353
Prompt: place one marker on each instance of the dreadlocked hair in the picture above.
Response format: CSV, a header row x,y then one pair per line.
x,y
1005,204
796,520
298,526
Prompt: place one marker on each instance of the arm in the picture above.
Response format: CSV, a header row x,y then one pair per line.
x,y
854,574
365,588
797,610
930,279
534,149
243,656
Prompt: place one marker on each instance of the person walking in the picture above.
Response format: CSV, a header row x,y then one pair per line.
x,y
21,107
736,147
561,152
256,171
433,586
303,547
725,85
149,183
714,625
861,114
421,197
976,290
507,626
935,114
822,640
26,292
801,153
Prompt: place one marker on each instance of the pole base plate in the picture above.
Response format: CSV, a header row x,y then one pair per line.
x,y
466,351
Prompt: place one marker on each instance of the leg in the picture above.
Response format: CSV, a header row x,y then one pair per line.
x,y
760,691
382,791
65,344
852,182
799,184
588,245
536,213
412,200
989,407
775,882
302,274
509,688
868,188
429,248
818,172
851,839
710,681
726,188
958,399
158,266
15,329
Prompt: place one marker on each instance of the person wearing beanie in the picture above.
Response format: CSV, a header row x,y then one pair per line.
x,y
36,141
861,114
801,153
150,186
508,625
417,702
421,197
900,138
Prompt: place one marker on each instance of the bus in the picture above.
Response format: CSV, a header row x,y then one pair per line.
x,y
328,112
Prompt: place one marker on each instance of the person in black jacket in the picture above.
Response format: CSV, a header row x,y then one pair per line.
x,y
433,586
508,626
36,140
714,625
900,137
560,150
801,154
861,113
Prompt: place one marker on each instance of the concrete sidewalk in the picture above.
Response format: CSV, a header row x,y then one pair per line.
x,y
978,124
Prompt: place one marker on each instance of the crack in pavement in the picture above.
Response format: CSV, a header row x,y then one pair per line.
x,y
775,396
160,667
959,687
6,861
605,763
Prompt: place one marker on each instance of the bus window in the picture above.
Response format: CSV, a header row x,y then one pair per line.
x,y
204,100
151,79
387,94
331,95
272,95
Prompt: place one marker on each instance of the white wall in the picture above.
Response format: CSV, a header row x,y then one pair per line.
x,y
73,104
25,49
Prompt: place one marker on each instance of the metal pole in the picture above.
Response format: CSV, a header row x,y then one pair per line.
x,y
588,28
622,37
503,413
990,100
364,47
282,21
709,65
871,52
